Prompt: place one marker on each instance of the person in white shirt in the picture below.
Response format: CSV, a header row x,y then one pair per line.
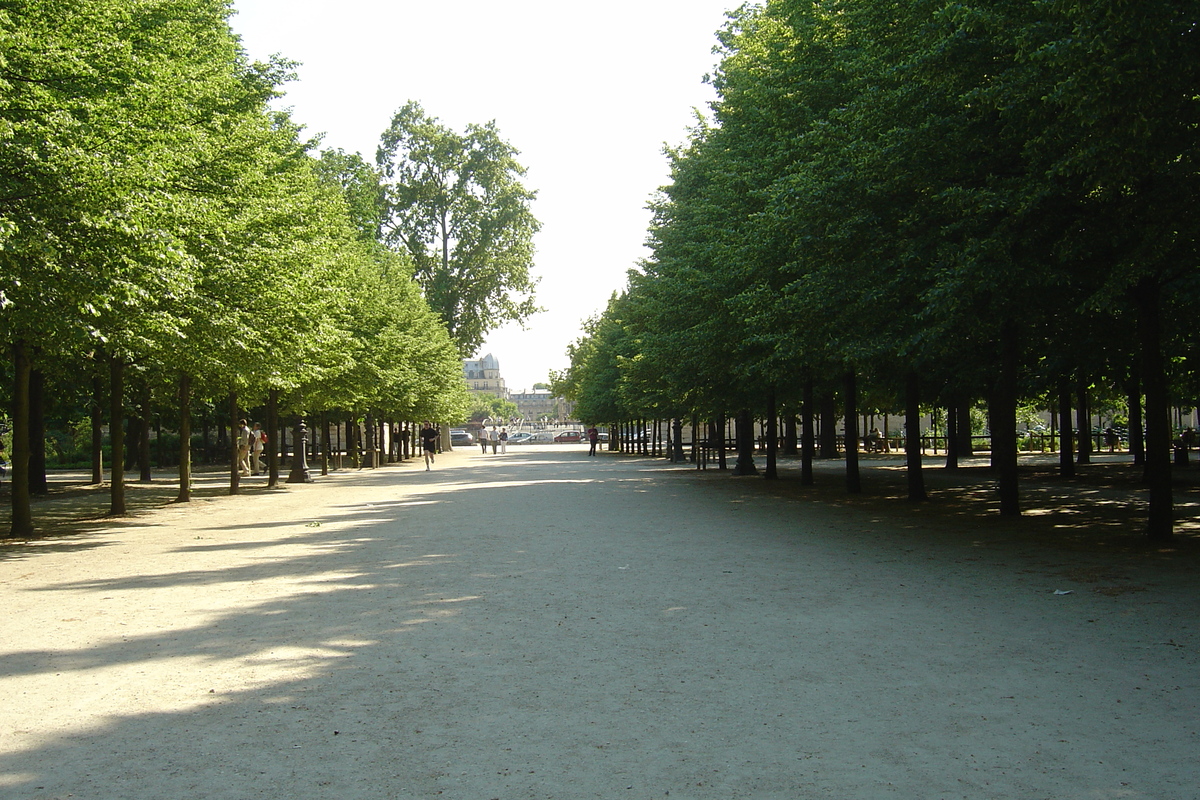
x,y
243,449
258,441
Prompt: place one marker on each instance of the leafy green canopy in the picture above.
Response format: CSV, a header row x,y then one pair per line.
x,y
154,209
455,204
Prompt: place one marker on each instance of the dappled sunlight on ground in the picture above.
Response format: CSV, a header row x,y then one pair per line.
x,y
404,633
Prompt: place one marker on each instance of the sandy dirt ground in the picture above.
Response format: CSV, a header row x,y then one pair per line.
x,y
547,625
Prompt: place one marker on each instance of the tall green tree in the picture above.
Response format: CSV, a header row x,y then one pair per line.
x,y
107,109
455,203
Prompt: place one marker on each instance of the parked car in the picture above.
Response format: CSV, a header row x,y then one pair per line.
x,y
458,436
569,436
521,437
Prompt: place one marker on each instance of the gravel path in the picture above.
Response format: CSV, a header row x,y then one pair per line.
x,y
547,625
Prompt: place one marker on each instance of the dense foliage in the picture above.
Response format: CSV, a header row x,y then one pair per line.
x,y
959,202
161,226
454,203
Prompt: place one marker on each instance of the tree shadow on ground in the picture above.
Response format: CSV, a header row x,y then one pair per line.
x,y
76,506
334,684
252,694
1102,509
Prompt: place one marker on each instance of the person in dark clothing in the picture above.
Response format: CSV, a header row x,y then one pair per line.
x,y
429,438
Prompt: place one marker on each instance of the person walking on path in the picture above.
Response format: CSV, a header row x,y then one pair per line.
x,y
483,439
494,438
243,450
258,440
593,437
503,441
429,437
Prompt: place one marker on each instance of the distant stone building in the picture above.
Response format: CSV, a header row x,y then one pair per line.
x,y
539,404
483,377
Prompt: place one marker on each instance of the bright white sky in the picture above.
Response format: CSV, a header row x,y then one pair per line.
x,y
588,92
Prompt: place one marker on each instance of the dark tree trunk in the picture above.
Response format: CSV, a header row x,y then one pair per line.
x,y
1137,441
1003,411
116,435
677,428
791,438
185,439
829,418
235,474
807,440
273,446
1160,523
772,471
144,437
1066,443
324,442
745,444
965,442
97,414
281,437
39,485
1083,421
160,456
912,438
22,499
371,454
850,412
722,424
953,437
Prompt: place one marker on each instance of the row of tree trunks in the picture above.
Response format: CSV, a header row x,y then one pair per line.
x,y
1002,411
27,462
